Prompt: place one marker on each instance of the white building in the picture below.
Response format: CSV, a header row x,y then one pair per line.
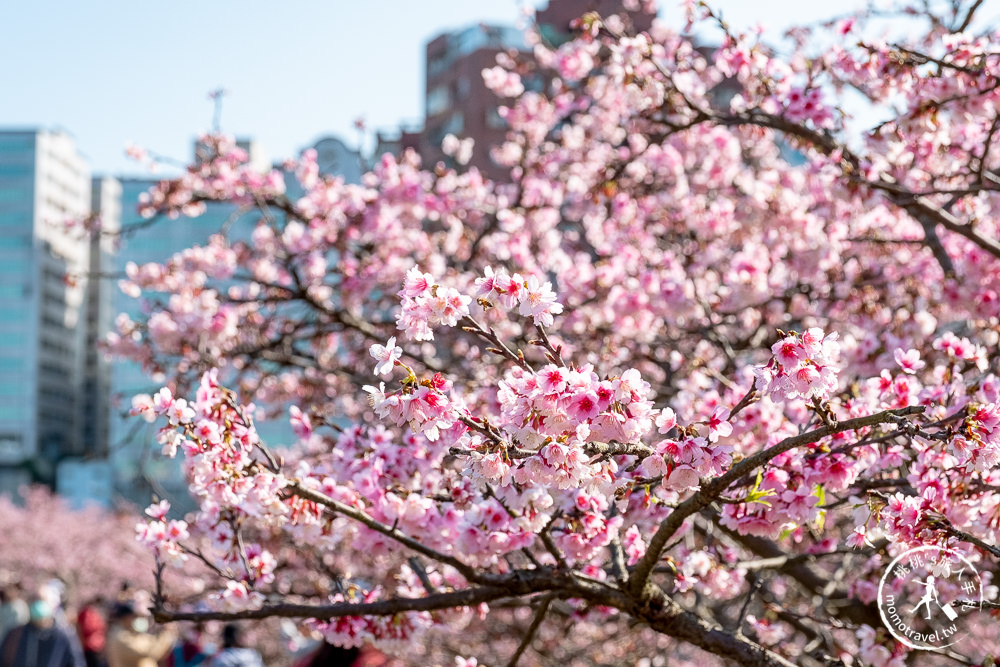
x,y
44,320
63,406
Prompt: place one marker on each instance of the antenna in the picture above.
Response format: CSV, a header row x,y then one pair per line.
x,y
216,97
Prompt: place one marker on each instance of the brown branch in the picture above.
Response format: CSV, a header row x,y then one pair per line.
x,y
550,545
615,448
389,531
667,617
554,354
470,324
967,537
463,598
925,213
536,623
780,563
421,573
712,489
969,16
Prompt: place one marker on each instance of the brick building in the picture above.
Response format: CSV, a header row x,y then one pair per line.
x,y
456,101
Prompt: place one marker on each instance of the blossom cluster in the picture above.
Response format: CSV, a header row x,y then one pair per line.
x,y
221,448
426,305
223,171
804,365
532,297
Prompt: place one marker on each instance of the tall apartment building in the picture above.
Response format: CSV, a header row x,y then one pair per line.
x,y
106,204
46,317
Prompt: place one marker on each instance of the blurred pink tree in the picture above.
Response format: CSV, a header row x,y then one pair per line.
x,y
91,550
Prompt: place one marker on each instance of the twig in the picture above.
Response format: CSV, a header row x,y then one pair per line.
x,y
450,600
469,323
421,573
550,546
966,537
754,587
553,353
536,622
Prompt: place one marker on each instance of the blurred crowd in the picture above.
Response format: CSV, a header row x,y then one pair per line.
x,y
37,631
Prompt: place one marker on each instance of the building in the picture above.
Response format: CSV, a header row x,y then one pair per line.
x,y
456,101
106,207
406,137
554,21
335,158
48,317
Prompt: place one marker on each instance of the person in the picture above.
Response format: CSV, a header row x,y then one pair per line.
x,y
190,650
130,644
92,628
13,610
234,653
40,642
329,655
53,591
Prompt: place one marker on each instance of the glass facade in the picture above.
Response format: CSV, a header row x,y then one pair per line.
x,y
63,407
43,182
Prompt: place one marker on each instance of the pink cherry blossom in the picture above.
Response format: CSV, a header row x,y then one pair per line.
x,y
386,356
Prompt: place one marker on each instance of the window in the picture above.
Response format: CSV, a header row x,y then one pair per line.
x,y
455,123
493,119
438,100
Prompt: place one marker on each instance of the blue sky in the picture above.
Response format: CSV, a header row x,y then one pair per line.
x,y
116,71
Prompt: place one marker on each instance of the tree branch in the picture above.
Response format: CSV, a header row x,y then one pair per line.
x,y
922,211
451,600
340,508
536,623
710,491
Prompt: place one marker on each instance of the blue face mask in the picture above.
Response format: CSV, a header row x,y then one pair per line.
x,y
39,610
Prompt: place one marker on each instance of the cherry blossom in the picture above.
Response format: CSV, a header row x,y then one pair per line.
x,y
682,382
386,356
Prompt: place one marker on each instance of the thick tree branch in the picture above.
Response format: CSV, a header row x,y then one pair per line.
x,y
391,607
711,490
924,212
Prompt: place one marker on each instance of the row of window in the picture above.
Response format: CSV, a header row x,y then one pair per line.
x,y
441,98
471,40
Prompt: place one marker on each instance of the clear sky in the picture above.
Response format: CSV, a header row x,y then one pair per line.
x,y
117,71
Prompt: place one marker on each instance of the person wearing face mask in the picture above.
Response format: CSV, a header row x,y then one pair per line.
x,y
40,642
130,643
